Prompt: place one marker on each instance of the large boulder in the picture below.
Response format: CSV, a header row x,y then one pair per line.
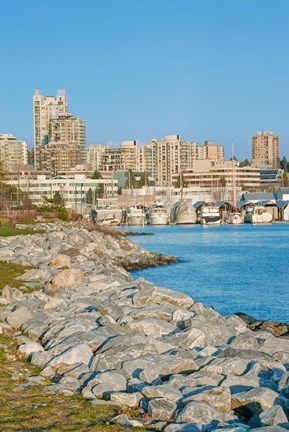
x,y
68,278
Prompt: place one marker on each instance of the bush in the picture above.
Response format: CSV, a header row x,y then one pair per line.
x,y
25,219
63,214
5,221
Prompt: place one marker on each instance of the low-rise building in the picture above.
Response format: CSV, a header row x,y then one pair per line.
x,y
73,191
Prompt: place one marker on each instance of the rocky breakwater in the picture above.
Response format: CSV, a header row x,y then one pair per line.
x,y
96,331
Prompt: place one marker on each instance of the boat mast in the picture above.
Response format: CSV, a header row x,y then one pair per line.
x,y
233,179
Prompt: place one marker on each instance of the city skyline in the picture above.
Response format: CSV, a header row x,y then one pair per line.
x,y
141,70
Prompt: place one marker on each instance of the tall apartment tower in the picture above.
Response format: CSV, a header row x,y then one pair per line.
x,y
45,108
66,146
265,149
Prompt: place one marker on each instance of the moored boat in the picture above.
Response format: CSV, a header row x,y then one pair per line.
x,y
236,218
185,213
260,215
210,214
136,216
158,215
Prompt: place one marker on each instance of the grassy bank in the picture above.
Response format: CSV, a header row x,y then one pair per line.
x,y
28,407
7,231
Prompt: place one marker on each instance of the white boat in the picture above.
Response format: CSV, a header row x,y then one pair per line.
x,y
158,215
236,218
185,213
260,215
109,222
210,214
136,216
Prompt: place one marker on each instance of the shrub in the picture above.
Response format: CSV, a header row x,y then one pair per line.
x,y
63,214
25,219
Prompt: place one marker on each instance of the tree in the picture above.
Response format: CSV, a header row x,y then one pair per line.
x,y
284,164
57,199
96,175
223,181
144,179
89,196
181,182
285,180
244,163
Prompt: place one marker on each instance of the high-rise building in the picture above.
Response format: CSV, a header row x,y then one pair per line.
x,y
13,153
94,154
66,144
210,151
265,149
45,108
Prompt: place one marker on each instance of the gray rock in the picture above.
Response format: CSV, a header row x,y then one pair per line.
x,y
60,261
218,398
157,311
123,420
273,416
255,400
131,400
79,354
199,413
161,409
245,341
183,427
228,366
274,345
151,326
30,347
160,295
162,391
19,316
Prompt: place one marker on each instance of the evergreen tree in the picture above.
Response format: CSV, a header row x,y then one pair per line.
x,y
223,181
244,163
96,175
181,183
89,196
284,164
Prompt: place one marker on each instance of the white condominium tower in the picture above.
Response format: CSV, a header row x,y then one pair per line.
x,y
45,108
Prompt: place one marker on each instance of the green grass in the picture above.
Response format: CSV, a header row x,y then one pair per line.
x,y
9,273
6,231
35,410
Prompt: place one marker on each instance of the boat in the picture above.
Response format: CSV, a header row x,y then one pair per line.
x,y
185,213
210,214
158,215
236,218
136,216
260,215
109,222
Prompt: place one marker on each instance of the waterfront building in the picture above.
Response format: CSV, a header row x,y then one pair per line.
x,y
72,190
221,177
45,108
13,152
265,149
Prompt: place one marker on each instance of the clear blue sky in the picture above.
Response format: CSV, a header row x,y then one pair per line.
x,y
141,69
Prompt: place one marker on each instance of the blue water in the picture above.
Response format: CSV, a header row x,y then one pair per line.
x,y
241,268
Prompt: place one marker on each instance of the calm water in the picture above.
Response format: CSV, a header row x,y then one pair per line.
x,y
232,268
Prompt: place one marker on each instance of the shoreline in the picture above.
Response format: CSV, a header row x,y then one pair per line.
x,y
96,331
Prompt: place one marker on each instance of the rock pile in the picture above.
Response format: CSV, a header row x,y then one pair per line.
x,y
96,331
